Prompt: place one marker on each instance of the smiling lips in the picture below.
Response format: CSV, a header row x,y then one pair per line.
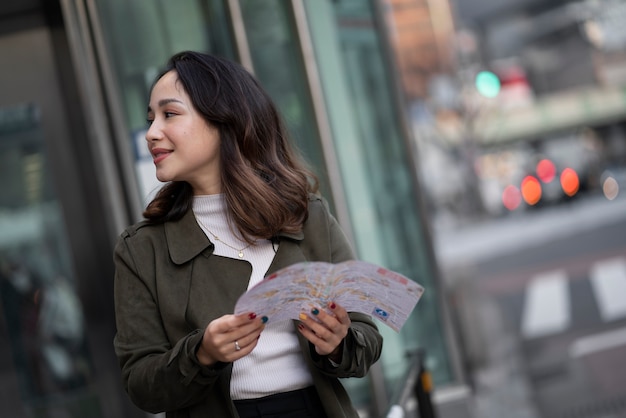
x,y
159,154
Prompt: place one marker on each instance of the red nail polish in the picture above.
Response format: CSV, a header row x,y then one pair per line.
x,y
332,305
251,315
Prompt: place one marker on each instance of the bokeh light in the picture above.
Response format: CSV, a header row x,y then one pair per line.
x,y
546,171
610,188
511,197
487,84
570,182
531,190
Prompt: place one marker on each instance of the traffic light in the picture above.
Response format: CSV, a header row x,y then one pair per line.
x,y
487,84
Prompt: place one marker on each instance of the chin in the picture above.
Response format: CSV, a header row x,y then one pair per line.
x,y
163,178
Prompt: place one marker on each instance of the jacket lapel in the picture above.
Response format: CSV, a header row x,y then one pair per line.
x,y
288,253
185,239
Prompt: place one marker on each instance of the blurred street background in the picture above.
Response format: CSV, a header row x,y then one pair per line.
x,y
539,302
476,146
535,266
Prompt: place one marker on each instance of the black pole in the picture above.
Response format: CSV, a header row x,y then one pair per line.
x,y
423,390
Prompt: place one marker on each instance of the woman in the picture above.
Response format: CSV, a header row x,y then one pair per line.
x,y
238,204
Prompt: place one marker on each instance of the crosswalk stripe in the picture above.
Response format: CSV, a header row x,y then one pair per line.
x,y
546,304
608,281
592,344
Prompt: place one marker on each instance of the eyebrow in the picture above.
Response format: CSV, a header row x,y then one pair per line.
x,y
164,102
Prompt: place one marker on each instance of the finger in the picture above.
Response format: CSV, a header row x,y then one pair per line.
x,y
235,348
251,325
325,336
243,346
320,329
310,334
233,326
322,346
246,336
326,327
340,313
226,323
337,321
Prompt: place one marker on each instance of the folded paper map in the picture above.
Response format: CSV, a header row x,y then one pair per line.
x,y
358,286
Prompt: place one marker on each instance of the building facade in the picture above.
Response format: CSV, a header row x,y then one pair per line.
x,y
75,172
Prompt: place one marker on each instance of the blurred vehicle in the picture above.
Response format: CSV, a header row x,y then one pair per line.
x,y
539,174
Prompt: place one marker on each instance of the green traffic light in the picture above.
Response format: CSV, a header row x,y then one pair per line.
x,y
487,84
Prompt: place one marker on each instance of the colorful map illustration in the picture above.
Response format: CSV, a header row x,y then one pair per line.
x,y
358,286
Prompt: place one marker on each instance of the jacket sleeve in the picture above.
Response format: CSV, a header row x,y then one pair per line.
x,y
157,375
363,344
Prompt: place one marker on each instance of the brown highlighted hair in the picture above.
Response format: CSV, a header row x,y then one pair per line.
x,y
265,181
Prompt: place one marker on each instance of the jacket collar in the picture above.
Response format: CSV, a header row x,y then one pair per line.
x,y
186,240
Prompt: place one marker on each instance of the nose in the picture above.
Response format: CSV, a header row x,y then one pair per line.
x,y
154,132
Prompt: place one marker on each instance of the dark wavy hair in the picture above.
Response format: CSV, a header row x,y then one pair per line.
x,y
265,181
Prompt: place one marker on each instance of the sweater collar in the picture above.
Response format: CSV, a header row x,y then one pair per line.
x,y
186,240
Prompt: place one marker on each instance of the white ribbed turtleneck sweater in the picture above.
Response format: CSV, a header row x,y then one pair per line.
x,y
276,364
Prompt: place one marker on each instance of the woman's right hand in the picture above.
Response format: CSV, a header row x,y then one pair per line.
x,y
229,338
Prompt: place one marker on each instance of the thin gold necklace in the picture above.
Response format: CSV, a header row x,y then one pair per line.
x,y
216,238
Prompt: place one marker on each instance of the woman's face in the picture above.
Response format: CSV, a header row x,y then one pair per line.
x,y
184,146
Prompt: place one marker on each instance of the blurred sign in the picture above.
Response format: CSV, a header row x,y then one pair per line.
x,y
566,110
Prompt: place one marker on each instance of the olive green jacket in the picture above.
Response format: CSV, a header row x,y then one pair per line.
x,y
169,286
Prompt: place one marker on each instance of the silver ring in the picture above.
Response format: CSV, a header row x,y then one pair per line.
x,y
237,348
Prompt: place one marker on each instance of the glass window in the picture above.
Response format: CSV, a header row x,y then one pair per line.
x,y
41,315
278,65
143,34
377,171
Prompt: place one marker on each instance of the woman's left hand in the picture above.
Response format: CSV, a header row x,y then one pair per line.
x,y
326,330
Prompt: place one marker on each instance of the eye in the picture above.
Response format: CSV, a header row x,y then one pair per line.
x,y
149,121
169,114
